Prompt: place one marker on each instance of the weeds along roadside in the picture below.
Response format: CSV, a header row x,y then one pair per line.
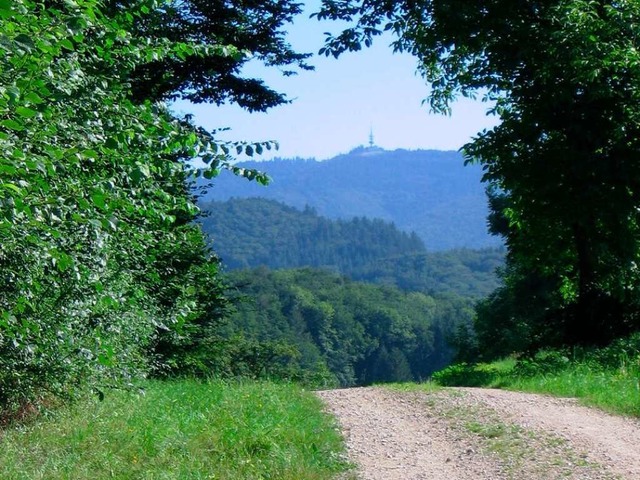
x,y
607,378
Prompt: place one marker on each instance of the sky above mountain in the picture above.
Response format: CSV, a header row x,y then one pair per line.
x,y
335,107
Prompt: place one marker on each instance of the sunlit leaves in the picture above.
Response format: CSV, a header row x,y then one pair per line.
x,y
12,125
26,112
90,184
98,253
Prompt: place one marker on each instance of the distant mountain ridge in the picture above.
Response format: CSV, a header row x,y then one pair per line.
x,y
426,191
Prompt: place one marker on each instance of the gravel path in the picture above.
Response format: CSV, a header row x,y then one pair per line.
x,y
479,434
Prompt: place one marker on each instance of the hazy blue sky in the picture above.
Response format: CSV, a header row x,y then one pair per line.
x,y
335,106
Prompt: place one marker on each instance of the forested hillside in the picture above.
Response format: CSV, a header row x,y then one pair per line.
x,y
257,232
317,324
469,273
324,328
428,192
253,232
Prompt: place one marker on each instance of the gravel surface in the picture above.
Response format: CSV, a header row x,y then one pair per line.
x,y
479,434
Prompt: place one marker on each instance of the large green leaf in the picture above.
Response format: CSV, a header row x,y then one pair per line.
x,y
12,125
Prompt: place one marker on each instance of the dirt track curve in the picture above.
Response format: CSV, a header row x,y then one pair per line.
x,y
480,434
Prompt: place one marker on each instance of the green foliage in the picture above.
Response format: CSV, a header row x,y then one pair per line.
x,y
472,375
576,121
248,233
238,357
542,363
345,332
104,274
561,165
181,429
238,32
518,317
73,187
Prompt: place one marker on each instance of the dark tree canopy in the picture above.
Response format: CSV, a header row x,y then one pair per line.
x,y
248,30
562,165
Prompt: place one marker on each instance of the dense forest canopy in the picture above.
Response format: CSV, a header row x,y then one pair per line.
x,y
253,232
325,329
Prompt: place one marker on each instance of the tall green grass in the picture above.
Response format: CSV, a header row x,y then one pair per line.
x,y
608,378
611,390
180,430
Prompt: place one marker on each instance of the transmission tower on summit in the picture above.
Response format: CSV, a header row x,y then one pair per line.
x,y
370,149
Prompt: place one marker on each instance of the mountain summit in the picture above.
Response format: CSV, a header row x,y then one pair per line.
x,y
429,192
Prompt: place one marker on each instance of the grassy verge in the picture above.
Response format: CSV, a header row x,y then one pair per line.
x,y
181,430
612,391
608,378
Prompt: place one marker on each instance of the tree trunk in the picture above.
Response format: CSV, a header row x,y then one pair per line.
x,y
582,324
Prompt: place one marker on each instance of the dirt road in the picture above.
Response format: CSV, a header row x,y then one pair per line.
x,y
479,434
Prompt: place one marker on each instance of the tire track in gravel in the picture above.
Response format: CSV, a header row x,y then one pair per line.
x,y
479,434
